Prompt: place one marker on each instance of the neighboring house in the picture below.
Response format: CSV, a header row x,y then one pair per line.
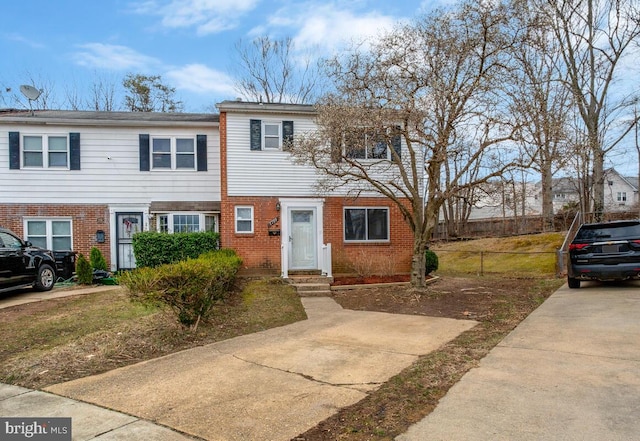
x,y
273,215
75,180
620,192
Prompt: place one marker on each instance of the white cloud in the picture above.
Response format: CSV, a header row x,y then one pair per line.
x,y
201,79
208,16
324,27
112,57
24,40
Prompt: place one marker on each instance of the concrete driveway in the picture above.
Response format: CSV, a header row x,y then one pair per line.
x,y
570,371
272,385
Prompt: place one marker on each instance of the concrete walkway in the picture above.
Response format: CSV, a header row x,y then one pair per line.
x,y
272,385
570,371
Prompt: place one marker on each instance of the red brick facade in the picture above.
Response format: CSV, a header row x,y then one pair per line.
x,y
259,250
86,220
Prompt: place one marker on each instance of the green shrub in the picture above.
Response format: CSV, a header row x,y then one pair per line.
x,y
191,287
431,262
97,260
84,272
153,249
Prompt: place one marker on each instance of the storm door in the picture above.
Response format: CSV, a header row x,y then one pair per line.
x,y
127,224
302,239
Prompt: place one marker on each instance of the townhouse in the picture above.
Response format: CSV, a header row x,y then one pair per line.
x,y
72,180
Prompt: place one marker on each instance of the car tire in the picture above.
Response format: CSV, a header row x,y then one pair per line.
x,y
46,278
573,283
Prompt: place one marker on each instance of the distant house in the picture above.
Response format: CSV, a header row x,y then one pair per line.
x,y
75,180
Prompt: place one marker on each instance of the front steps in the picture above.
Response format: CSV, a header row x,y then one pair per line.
x,y
311,285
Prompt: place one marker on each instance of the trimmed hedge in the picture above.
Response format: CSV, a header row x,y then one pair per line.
x,y
153,249
191,288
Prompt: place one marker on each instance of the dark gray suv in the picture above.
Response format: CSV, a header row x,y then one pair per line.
x,y
605,251
22,264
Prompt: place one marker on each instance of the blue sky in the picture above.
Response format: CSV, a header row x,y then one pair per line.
x,y
67,46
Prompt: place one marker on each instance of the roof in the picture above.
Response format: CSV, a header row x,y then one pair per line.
x,y
253,107
82,117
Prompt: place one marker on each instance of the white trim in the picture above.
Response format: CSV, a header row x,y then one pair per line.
x,y
235,219
286,205
48,229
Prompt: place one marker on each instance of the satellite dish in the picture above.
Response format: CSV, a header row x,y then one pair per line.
x,y
30,92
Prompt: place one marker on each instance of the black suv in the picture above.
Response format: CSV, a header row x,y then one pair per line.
x,y
605,251
22,264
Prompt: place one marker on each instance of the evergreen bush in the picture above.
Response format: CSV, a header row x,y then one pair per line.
x,y
97,260
431,262
84,272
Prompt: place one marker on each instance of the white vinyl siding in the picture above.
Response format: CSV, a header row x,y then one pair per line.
x,y
110,172
271,172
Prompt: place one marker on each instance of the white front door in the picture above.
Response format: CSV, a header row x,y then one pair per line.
x,y
302,239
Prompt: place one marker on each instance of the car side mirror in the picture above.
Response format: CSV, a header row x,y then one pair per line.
x,y
28,244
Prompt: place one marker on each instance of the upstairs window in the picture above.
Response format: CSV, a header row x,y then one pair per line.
x,y
173,154
45,152
368,144
270,135
622,196
60,151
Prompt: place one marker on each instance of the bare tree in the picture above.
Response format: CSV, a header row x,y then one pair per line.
x,y
594,38
541,102
268,71
147,93
102,95
435,84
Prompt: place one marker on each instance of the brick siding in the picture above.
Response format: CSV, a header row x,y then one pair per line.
x,y
86,220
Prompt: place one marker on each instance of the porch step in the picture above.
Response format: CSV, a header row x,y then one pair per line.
x,y
311,286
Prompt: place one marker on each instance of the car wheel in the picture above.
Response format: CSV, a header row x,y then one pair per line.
x,y
573,283
46,278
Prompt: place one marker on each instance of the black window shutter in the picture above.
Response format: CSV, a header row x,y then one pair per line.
x,y
396,142
144,153
14,150
74,151
201,146
255,127
287,135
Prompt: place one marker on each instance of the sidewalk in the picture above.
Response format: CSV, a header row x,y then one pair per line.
x,y
570,371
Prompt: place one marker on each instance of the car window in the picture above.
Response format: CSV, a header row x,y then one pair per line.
x,y
10,241
612,231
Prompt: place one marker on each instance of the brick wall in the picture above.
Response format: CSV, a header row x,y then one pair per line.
x,y
261,251
86,220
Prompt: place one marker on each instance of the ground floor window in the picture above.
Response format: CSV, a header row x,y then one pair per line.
x,y
52,234
186,222
364,224
244,219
